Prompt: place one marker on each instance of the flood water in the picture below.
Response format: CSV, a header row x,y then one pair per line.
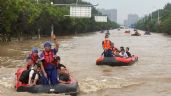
x,y
150,76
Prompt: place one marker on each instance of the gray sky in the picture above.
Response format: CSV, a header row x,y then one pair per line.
x,y
125,7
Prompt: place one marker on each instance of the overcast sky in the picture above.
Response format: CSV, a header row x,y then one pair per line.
x,y
125,7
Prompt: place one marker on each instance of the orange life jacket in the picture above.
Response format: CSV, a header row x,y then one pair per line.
x,y
106,44
48,56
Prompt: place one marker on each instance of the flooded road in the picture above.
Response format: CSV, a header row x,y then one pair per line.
x,y
150,76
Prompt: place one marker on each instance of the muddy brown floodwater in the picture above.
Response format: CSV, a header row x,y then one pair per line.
x,y
150,76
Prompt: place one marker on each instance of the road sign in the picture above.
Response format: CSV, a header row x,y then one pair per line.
x,y
100,18
81,12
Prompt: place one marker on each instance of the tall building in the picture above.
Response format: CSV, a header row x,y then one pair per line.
x,y
131,20
111,13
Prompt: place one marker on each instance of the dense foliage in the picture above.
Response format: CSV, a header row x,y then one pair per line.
x,y
152,23
27,18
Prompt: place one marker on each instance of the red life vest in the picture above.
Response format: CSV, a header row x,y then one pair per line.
x,y
106,44
33,59
48,56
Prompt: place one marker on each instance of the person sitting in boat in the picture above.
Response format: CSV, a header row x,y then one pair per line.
x,y
114,49
34,74
30,76
49,65
123,53
121,48
107,47
32,58
117,53
127,52
64,76
136,33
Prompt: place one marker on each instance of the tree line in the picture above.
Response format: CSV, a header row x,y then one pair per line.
x,y
157,21
26,18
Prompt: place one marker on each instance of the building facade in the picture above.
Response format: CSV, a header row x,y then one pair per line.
x,y
131,20
111,13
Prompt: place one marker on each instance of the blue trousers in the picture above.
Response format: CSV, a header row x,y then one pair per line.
x,y
108,53
52,75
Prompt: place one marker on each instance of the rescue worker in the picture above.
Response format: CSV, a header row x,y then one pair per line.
x,y
107,47
49,63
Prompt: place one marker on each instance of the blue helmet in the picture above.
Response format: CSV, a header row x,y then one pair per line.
x,y
47,44
34,50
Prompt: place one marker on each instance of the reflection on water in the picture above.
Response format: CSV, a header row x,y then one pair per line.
x,y
79,54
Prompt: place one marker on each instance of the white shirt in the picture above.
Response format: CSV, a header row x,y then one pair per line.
x,y
123,55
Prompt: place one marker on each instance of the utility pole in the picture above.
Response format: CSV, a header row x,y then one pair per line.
x,y
75,20
52,30
52,26
158,19
38,30
39,33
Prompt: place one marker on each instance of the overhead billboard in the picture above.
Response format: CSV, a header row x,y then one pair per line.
x,y
100,18
82,12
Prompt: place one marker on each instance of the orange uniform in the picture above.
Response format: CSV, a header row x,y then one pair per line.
x,y
107,44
